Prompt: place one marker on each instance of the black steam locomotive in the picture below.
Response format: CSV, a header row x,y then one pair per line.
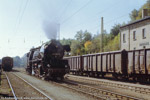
x,y
7,63
47,60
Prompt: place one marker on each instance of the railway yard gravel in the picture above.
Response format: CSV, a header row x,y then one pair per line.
x,y
58,92
96,83
22,90
54,91
5,90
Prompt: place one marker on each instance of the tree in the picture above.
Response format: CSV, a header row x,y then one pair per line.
x,y
82,37
17,61
79,36
24,61
133,15
78,45
88,45
66,41
113,45
115,30
96,43
75,47
87,36
137,14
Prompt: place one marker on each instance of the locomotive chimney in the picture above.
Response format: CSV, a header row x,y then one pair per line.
x,y
144,13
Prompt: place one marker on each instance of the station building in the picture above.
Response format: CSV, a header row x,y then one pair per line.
x,y
136,35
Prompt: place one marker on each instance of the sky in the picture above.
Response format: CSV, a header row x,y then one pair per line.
x,y
25,23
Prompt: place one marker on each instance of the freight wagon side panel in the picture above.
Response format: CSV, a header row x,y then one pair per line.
x,y
136,63
112,68
118,63
108,63
99,63
104,63
89,63
94,63
85,64
142,61
139,62
79,63
73,67
70,63
75,63
130,62
148,61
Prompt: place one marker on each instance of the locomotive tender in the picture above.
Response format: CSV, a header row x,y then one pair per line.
x,y
7,63
47,60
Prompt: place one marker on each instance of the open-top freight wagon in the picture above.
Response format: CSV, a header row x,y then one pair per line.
x,y
123,64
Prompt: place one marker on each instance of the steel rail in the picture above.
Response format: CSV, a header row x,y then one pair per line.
x,y
34,87
101,97
137,89
106,92
11,86
74,89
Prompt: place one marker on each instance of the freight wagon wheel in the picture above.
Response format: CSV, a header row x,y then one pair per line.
x,y
102,75
134,79
97,75
80,73
92,74
115,76
138,79
125,78
144,79
149,80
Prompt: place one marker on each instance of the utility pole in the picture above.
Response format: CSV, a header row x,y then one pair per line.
x,y
58,31
101,34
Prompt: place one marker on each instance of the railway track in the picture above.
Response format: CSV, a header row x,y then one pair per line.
x,y
14,95
138,89
97,93
43,96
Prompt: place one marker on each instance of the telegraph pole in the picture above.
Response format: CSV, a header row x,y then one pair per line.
x,y
58,31
101,34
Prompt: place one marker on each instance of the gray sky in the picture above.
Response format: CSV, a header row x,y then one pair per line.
x,y
21,21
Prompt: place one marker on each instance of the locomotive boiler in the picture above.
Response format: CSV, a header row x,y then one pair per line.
x,y
47,60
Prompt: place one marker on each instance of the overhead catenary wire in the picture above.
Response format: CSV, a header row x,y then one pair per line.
x,y
23,11
102,11
117,18
18,16
105,23
65,8
21,16
76,12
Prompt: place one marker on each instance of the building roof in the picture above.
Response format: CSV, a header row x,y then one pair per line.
x,y
137,21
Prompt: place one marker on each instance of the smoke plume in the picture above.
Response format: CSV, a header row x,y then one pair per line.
x,y
51,29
